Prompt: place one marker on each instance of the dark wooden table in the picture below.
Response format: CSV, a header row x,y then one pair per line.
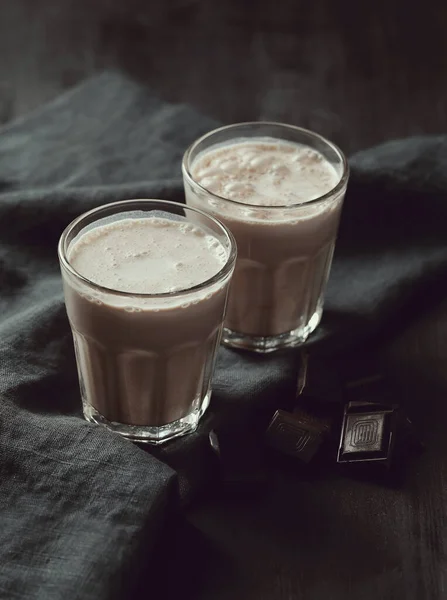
x,y
360,73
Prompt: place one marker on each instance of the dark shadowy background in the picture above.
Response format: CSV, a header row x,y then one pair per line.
x,y
360,72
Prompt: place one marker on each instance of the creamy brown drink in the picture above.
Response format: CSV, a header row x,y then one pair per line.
x,y
147,331
268,191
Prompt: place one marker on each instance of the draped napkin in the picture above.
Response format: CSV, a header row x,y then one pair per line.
x,y
81,509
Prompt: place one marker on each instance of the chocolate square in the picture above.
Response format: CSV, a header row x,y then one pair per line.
x,y
296,434
368,433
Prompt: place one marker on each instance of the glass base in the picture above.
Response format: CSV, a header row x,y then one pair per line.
x,y
266,344
150,434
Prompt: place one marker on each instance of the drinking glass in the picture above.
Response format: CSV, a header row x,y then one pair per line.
x,y
284,252
145,361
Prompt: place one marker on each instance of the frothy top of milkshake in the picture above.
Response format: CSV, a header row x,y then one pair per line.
x,y
147,256
264,172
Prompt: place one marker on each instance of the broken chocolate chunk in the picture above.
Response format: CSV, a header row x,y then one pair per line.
x,y
298,434
240,457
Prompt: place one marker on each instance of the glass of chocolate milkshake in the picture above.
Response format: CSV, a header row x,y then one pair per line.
x,y
146,285
280,190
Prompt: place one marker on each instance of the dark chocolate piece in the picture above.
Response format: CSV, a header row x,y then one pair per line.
x,y
316,418
407,441
214,442
368,433
319,379
371,387
302,373
241,460
297,434
332,380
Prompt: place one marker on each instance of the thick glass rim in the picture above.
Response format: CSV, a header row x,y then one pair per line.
x,y
65,263
338,188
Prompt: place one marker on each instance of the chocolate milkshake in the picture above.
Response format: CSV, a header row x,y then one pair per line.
x,y
282,201
145,293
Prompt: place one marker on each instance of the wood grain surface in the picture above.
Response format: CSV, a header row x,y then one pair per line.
x,y
360,73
